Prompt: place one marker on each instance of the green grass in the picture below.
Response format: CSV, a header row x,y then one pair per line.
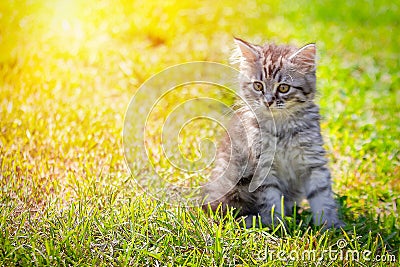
x,y
68,70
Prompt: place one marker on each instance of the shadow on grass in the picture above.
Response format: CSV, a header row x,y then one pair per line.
x,y
363,230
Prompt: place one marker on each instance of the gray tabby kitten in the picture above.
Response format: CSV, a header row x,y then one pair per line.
x,y
273,152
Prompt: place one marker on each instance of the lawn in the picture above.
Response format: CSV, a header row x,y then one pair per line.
x,y
68,71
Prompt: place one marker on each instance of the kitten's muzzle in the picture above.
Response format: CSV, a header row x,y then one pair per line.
x,y
269,99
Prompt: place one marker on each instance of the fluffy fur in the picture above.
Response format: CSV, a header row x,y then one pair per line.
x,y
274,147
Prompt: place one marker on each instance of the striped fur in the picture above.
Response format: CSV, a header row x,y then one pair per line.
x,y
274,148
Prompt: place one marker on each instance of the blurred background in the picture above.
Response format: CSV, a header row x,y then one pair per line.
x,y
68,70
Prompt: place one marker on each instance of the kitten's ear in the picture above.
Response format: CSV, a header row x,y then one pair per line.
x,y
305,57
247,51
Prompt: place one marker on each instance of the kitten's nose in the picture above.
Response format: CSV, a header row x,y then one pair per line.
x,y
269,99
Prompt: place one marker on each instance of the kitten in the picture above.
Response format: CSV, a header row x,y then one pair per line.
x,y
274,147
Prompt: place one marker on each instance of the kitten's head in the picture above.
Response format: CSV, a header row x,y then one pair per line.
x,y
281,78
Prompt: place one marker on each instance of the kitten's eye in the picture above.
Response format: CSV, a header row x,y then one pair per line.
x,y
283,88
258,86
